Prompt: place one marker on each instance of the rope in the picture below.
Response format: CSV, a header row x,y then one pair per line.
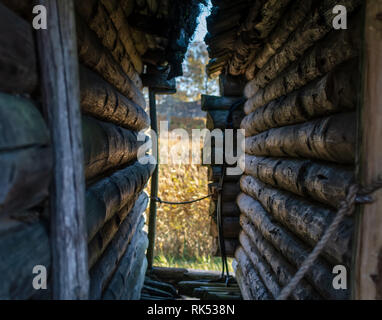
x,y
354,195
159,200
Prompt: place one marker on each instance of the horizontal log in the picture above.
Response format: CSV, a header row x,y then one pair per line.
x,y
264,271
253,280
187,287
317,24
25,156
229,192
107,146
22,247
215,172
18,72
245,290
281,268
262,18
182,274
320,275
98,19
305,219
217,119
135,280
326,183
231,227
210,103
230,247
331,138
102,272
133,260
330,94
230,86
118,12
101,100
111,194
106,234
293,16
98,58
229,209
327,54
157,292
161,285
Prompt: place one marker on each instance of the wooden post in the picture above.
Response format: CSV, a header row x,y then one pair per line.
x,y
60,85
154,183
367,277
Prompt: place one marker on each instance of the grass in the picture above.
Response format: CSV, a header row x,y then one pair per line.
x,y
183,232
199,263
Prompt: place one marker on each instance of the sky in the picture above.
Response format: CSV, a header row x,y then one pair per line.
x,y
201,30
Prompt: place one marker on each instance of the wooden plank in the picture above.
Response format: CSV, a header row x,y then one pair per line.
x,y
61,98
367,282
18,72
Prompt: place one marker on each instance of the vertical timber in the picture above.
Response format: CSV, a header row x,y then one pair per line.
x,y
154,182
60,86
367,278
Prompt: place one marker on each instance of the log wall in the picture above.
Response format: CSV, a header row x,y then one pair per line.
x,y
218,110
113,113
300,126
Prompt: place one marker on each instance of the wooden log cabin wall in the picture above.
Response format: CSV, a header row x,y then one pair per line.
x,y
302,89
117,42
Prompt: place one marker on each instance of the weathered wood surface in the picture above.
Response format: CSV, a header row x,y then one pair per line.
x,y
326,183
101,100
288,23
136,280
231,227
293,249
118,11
229,209
305,219
96,57
230,247
132,261
182,274
217,119
210,103
281,268
101,240
261,19
57,48
230,86
245,290
21,7
25,155
103,270
330,94
336,48
229,192
18,72
253,280
111,194
215,172
331,138
30,246
107,146
97,17
265,272
316,25
367,271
